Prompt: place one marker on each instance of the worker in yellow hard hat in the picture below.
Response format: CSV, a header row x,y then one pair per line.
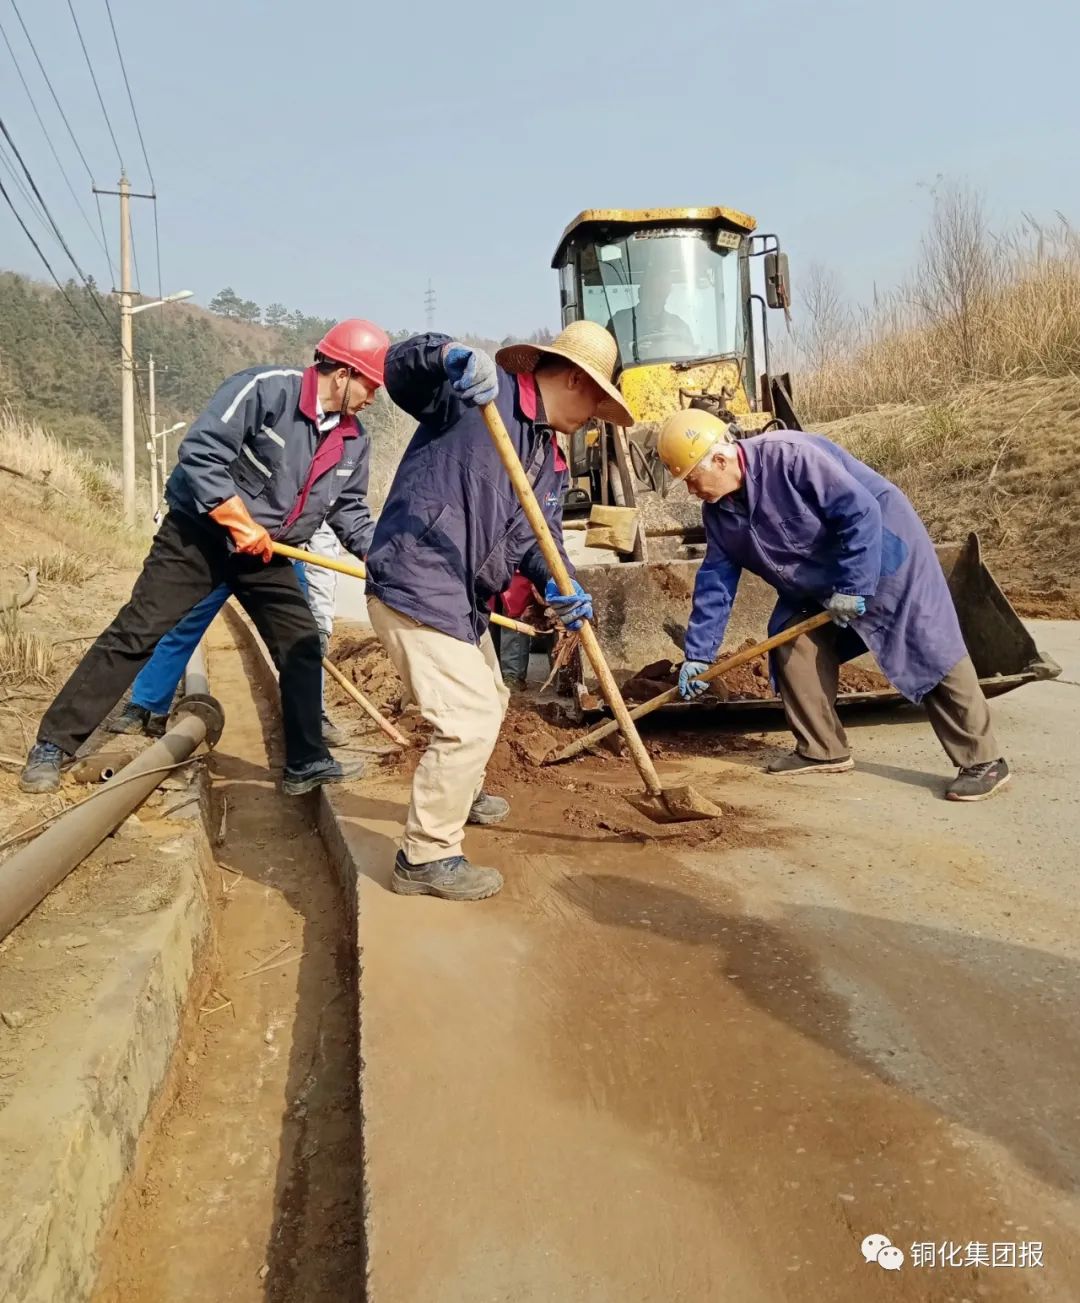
x,y
828,532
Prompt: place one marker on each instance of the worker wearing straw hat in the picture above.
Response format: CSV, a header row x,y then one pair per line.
x,y
450,537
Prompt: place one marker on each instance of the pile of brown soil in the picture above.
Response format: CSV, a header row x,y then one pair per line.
x,y
1046,603
749,682
363,661
586,794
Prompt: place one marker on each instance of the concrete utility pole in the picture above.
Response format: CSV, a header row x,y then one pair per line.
x,y
152,399
127,358
127,355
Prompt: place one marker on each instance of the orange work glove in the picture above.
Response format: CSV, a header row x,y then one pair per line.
x,y
250,538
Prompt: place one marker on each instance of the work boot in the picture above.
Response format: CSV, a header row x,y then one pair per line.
x,y
488,809
295,782
41,773
977,782
331,734
137,719
453,878
794,763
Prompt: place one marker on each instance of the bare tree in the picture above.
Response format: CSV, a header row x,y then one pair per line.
x,y
958,274
824,332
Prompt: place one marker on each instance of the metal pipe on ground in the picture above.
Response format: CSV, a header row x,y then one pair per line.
x,y
31,873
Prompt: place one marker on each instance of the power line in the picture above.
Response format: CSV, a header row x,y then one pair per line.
x,y
37,247
52,147
20,185
131,98
52,92
87,283
142,146
97,88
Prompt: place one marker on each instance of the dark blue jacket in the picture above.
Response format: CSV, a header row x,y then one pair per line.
x,y
814,520
452,533
257,439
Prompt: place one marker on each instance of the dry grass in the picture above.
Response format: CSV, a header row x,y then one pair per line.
x,y
78,497
24,657
979,307
1001,458
64,567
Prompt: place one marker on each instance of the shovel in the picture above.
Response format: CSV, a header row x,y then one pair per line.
x,y
391,732
672,694
358,571
671,805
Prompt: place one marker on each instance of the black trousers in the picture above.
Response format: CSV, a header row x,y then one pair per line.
x,y
187,561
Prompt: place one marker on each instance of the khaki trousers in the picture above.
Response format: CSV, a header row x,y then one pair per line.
x,y
808,674
459,690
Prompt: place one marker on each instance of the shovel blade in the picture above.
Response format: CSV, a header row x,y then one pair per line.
x,y
675,805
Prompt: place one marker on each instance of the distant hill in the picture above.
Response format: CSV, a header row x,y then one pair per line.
x,y
60,364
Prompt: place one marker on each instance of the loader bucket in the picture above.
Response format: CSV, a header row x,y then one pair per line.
x,y
642,609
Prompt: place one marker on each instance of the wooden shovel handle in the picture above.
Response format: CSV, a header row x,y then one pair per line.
x,y
365,705
535,516
358,570
714,671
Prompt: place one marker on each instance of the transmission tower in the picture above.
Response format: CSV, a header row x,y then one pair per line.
x,y
429,306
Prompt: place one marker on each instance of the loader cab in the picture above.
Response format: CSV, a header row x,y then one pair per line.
x,y
673,286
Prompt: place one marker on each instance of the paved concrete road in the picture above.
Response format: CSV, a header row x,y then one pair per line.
x,y
652,1073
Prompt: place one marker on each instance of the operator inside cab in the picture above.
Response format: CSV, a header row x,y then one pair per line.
x,y
647,330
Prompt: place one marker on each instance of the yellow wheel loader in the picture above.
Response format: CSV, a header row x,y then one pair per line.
x,y
679,289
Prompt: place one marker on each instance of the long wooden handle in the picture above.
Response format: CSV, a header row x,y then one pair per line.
x,y
714,671
358,570
362,701
559,572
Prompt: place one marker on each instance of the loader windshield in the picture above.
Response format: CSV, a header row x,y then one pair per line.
x,y
667,296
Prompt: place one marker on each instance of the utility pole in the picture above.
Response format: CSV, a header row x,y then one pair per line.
x,y
429,305
152,395
127,358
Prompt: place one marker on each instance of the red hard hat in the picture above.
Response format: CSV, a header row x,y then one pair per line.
x,y
358,344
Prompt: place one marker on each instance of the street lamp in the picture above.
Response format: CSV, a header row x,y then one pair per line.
x,y
155,493
127,374
169,298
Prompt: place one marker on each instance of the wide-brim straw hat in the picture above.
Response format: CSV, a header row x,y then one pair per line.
x,y
590,347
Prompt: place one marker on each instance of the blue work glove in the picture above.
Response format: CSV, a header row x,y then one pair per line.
x,y
690,686
845,607
570,610
472,374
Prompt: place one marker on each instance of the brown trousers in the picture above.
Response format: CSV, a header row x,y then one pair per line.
x,y
808,673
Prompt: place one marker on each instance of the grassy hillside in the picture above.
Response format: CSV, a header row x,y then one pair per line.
x,y
59,365
963,386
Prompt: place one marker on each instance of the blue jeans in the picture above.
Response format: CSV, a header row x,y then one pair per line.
x,y
156,683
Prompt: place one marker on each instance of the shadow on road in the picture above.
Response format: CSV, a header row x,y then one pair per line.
x,y
984,1031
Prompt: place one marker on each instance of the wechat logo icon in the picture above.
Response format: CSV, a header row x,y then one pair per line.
x,y
880,1249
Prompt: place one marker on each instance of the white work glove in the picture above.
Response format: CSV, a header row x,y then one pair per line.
x,y
845,607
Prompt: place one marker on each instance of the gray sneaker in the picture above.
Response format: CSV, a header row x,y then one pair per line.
x,y
488,809
331,734
41,773
453,878
295,782
977,782
793,763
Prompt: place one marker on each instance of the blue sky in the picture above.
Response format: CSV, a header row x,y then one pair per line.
x,y
334,156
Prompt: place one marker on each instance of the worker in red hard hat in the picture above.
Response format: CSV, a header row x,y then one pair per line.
x,y
277,451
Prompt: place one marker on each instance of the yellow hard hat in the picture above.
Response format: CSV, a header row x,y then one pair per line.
x,y
688,436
